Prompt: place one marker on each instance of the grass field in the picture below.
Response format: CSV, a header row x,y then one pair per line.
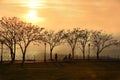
x,y
82,70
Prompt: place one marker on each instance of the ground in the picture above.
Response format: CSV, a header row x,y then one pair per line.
x,y
81,70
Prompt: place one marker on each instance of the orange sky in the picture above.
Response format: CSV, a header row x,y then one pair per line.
x,y
64,14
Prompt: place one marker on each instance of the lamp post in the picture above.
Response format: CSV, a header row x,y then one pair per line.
x,y
45,53
34,58
89,51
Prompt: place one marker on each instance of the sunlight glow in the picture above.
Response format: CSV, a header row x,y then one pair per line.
x,y
32,17
34,3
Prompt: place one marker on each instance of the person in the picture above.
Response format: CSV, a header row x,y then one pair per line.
x,y
69,57
65,58
56,57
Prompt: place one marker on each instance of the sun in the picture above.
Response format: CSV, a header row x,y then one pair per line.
x,y
33,6
32,15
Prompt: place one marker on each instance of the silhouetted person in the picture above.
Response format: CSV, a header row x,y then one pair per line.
x,y
65,58
69,57
56,57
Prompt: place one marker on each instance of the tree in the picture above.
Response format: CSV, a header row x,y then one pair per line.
x,y
83,40
71,36
28,33
53,39
9,28
101,41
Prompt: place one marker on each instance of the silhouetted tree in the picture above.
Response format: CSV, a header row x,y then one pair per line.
x,y
101,41
9,29
117,43
71,36
53,39
27,34
83,40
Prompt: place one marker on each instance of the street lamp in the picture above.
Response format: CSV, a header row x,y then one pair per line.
x,y
34,58
45,53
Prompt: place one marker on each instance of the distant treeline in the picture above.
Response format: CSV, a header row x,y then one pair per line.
x,y
15,32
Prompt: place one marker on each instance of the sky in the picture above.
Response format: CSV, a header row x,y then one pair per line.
x,y
66,14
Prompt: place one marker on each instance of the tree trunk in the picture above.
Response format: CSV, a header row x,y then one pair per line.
x,y
83,53
73,50
98,52
13,52
45,53
1,53
97,55
12,56
23,58
51,54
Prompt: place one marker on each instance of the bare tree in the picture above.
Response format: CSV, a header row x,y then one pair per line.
x,y
101,41
71,37
9,29
27,34
53,39
83,40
